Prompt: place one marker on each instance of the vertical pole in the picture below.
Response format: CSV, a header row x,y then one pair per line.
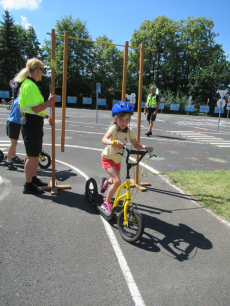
x,y
125,71
53,105
64,88
206,108
139,106
96,105
220,111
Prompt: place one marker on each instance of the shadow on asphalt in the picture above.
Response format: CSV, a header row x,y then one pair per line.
x,y
71,199
168,137
180,241
173,194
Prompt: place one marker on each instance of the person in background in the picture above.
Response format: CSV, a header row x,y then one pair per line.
x,y
33,106
13,127
151,107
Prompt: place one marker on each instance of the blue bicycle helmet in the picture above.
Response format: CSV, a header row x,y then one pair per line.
x,y
122,107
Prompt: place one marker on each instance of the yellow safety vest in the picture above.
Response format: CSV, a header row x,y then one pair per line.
x,y
30,96
152,101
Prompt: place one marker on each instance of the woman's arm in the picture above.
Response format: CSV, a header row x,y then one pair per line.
x,y
41,107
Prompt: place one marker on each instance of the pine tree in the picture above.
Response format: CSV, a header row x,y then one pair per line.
x,y
11,60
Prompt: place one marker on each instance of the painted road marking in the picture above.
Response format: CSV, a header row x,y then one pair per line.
x,y
7,189
220,142
135,293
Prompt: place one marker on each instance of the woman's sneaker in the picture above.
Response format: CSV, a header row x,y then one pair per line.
x,y
104,186
17,160
107,206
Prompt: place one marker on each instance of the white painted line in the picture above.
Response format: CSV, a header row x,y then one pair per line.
x,y
7,190
197,136
227,142
223,146
135,293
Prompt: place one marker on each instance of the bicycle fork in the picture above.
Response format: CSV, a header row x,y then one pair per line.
x,y
127,200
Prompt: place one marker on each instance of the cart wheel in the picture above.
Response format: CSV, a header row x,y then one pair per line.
x,y
1,156
44,160
135,229
91,190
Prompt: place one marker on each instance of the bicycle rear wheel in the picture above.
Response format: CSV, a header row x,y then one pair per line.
x,y
135,229
44,160
91,190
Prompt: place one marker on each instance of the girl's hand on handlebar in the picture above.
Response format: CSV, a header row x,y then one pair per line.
x,y
150,149
120,145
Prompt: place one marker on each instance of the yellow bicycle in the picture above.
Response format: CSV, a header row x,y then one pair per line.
x,y
129,221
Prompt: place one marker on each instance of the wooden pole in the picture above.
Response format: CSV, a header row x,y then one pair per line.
x,y
53,188
123,98
64,89
141,68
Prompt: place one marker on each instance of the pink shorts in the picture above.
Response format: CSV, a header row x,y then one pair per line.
x,y
108,163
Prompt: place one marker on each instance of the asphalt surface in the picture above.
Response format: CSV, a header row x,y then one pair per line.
x,y
58,250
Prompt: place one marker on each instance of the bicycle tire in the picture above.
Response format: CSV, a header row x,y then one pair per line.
x,y
91,190
44,160
1,156
135,229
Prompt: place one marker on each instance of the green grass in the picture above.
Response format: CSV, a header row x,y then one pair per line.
x,y
210,188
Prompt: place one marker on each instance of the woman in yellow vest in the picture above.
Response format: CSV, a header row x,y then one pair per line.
x,y
151,106
33,106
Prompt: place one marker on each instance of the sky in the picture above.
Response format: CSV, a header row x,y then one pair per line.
x,y
116,19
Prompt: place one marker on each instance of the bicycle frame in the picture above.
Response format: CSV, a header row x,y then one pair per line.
x,y
127,197
126,184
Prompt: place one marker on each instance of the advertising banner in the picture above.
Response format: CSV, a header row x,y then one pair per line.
x,y
115,101
189,108
101,101
4,94
174,107
162,106
204,109
87,100
217,110
71,99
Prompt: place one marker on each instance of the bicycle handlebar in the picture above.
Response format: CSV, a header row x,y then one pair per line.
x,y
129,152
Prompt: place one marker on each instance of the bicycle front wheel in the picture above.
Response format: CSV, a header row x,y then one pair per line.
x,y
44,160
135,229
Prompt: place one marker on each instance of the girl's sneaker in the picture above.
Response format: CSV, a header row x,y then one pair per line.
x,y
104,186
107,206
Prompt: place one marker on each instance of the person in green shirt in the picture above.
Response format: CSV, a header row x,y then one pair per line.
x,y
33,107
151,107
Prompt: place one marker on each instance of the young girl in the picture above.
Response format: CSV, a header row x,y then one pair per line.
x,y
115,138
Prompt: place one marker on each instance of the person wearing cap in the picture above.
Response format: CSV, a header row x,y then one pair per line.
x,y
13,127
151,107
33,106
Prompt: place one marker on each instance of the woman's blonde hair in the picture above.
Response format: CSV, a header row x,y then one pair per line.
x,y
31,65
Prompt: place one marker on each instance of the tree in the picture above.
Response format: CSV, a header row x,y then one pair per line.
x,y
188,61
108,68
80,56
11,60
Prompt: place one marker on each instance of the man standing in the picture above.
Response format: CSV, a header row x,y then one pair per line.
x,y
151,106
